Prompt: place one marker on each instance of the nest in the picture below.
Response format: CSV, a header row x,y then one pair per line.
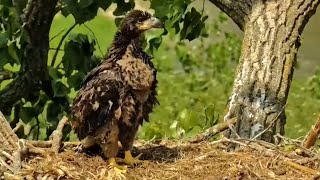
x,y
178,160
166,159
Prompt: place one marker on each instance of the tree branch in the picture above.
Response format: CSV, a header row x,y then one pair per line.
x,y
33,71
210,132
237,10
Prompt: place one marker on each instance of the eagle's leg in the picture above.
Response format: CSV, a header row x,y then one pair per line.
x,y
85,143
88,142
127,137
108,141
130,160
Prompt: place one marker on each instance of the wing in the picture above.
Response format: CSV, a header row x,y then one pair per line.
x,y
103,65
97,100
152,99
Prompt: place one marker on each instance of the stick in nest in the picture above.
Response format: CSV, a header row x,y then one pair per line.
x,y
302,168
56,136
21,147
313,134
214,130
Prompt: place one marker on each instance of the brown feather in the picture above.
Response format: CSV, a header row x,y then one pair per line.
x,y
116,96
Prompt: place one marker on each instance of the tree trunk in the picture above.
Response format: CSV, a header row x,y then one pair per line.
x,y
271,40
33,72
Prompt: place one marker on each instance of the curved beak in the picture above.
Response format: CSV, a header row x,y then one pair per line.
x,y
156,23
150,23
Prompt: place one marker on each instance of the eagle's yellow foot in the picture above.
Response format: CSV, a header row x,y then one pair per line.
x,y
131,161
117,168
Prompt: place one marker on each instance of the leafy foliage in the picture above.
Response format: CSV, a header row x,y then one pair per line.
x,y
12,38
195,79
39,117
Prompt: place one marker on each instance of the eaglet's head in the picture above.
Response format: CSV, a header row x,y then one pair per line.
x,y
137,21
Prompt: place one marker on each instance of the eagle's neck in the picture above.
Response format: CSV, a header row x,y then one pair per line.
x,y
124,43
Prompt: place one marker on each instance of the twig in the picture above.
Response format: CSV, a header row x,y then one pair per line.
x,y
55,49
203,3
12,176
298,145
313,134
35,150
56,136
4,164
271,124
210,132
7,155
302,168
95,38
41,144
60,43
56,35
297,141
17,127
8,138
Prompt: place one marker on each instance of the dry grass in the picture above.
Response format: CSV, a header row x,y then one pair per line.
x,y
177,160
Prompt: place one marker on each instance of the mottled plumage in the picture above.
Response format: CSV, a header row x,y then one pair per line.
x,y
119,94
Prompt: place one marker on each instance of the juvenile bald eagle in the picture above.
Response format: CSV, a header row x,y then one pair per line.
x,y
118,95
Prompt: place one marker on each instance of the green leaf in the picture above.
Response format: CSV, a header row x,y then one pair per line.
x,y
65,11
7,3
104,4
13,52
4,57
78,54
59,89
4,39
155,43
75,80
161,8
192,25
85,3
81,10
26,114
53,111
123,7
117,21
54,73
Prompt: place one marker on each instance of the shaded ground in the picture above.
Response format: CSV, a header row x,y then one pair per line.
x,y
178,160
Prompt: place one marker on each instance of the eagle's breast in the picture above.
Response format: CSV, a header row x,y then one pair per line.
x,y
136,74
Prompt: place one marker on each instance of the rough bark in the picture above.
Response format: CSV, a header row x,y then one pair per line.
x,y
33,72
271,40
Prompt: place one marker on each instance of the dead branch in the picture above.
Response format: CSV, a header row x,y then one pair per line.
x,y
7,136
10,141
302,168
213,130
313,134
56,136
13,149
